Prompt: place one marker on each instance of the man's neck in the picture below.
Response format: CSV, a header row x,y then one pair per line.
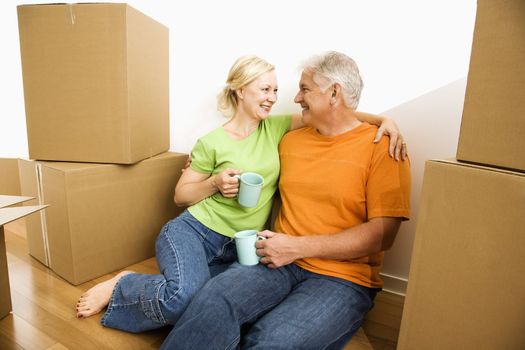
x,y
339,123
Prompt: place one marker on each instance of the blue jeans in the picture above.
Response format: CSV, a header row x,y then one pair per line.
x,y
254,307
188,255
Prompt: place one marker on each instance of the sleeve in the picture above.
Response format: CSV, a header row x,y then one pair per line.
x,y
279,125
202,158
388,184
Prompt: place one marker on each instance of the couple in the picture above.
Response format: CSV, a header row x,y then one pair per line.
x,y
343,199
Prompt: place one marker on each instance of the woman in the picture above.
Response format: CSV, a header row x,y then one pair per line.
x,y
197,245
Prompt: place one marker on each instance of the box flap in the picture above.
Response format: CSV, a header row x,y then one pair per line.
x,y
477,166
11,214
6,201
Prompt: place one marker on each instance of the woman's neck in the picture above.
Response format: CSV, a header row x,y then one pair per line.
x,y
241,126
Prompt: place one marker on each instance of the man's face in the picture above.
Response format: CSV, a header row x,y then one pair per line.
x,y
314,102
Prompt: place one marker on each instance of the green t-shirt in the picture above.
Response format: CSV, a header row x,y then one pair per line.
x,y
257,153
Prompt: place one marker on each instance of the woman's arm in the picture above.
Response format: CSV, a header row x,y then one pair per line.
x,y
194,186
297,122
386,125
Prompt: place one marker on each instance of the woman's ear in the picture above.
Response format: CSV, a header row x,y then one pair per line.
x,y
239,93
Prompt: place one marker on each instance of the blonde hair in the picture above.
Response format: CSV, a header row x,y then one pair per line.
x,y
245,70
335,67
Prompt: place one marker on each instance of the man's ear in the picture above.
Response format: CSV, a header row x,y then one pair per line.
x,y
335,93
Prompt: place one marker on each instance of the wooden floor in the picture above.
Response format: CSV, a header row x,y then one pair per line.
x,y
43,314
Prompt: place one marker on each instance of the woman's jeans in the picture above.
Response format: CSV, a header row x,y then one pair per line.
x,y
188,255
255,307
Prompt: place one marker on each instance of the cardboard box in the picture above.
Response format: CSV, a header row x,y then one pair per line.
x,y
493,126
8,215
466,286
9,182
101,217
34,224
95,82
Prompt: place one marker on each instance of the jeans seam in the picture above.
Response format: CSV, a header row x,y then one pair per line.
x,y
220,254
161,317
174,249
255,314
233,344
111,303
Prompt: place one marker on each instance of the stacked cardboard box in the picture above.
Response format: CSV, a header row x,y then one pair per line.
x,y
493,123
466,287
95,82
101,217
96,97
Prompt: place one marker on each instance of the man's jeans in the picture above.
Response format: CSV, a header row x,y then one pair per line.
x,y
188,255
254,307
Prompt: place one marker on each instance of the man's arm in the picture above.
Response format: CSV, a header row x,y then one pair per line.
x,y
365,239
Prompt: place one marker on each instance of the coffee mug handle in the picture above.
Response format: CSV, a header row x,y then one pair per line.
x,y
260,238
237,176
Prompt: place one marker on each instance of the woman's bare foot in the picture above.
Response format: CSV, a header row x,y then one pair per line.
x,y
97,298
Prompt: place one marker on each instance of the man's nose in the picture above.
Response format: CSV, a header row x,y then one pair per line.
x,y
298,98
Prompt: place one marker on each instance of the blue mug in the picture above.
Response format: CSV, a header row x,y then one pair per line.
x,y
245,245
250,186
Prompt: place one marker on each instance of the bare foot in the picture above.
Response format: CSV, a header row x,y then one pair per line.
x,y
97,298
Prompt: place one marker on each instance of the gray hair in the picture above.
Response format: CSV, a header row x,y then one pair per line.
x,y
334,67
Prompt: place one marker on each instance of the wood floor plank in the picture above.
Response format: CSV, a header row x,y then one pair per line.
x,y
57,346
24,334
359,342
75,333
9,344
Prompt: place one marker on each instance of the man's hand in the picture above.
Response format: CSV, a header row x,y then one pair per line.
x,y
398,147
277,249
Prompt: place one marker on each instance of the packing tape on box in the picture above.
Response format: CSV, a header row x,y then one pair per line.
x,y
71,14
42,213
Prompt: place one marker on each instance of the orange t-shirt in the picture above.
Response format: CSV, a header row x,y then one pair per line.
x,y
331,183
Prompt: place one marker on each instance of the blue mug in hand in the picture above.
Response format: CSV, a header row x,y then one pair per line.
x,y
245,244
250,186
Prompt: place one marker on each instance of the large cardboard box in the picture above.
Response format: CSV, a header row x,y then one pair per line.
x,y
8,215
95,82
493,123
101,217
466,285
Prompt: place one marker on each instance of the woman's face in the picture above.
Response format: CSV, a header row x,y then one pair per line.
x,y
257,98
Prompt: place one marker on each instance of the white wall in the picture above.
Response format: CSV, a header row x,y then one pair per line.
x,y
432,122
403,48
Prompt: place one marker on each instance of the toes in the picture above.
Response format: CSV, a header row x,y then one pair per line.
x,y
83,308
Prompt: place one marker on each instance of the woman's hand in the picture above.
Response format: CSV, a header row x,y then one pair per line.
x,y
387,126
188,163
226,183
398,147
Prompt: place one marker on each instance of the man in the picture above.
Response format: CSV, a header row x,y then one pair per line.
x,y
343,199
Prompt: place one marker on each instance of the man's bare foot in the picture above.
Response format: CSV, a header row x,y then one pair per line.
x,y
97,298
